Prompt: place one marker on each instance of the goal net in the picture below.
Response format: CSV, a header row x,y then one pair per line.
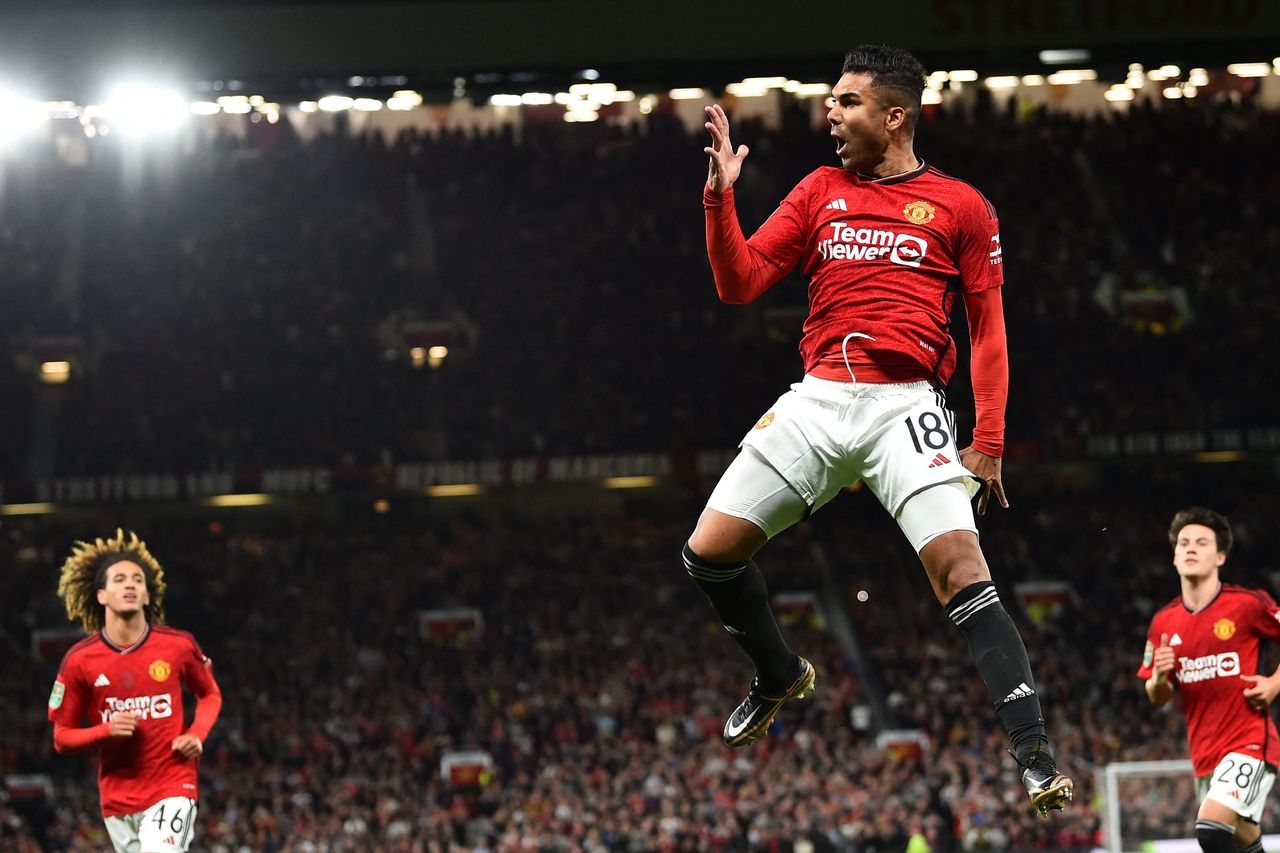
x,y
1151,807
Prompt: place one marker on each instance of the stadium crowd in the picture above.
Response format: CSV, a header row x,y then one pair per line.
x,y
253,302
600,680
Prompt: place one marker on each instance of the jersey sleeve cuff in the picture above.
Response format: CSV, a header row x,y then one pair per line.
x,y
711,198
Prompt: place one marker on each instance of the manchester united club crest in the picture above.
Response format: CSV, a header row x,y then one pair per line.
x,y
919,212
765,421
1224,629
160,670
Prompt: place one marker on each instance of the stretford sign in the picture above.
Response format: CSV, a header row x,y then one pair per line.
x,y
687,466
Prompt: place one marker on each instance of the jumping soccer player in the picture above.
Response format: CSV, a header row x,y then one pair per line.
x,y
1208,639
889,245
128,679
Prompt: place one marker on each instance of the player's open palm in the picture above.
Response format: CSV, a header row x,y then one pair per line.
x,y
123,724
1262,691
725,164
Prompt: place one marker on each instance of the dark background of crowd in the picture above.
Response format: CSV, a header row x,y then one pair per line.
x,y
601,680
245,303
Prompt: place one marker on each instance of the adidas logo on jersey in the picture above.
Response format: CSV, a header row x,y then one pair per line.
x,y
838,204
102,681
1175,640
1022,691
939,460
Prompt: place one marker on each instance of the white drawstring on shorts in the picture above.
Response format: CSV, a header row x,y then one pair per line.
x,y
845,352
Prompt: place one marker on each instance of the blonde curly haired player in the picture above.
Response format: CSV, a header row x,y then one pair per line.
x,y
127,678
79,581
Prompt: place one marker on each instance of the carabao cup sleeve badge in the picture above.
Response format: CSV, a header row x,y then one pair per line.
x,y
55,697
1148,653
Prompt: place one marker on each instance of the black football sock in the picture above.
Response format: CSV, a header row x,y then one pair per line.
x,y
741,600
1215,837
1255,847
1001,658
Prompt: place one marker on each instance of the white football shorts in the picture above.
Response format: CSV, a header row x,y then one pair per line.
x,y
1239,782
822,435
166,827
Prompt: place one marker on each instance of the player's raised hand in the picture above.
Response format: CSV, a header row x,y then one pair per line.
x,y
188,746
123,724
1263,691
725,164
987,469
1162,660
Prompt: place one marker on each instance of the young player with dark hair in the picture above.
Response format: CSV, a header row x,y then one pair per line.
x,y
1207,641
889,245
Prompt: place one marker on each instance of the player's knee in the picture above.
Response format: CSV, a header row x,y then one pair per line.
x,y
1215,837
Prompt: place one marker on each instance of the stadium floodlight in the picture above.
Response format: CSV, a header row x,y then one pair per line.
x,y
138,109
537,99
335,103
963,75
1173,93
930,96
624,96
1198,77
686,94
1118,92
1170,71
1008,82
1072,76
1249,69
765,82
308,107
18,116
745,90
1032,80
237,105
367,105
55,372
205,108
41,508
409,96
580,116
504,101
812,90
1064,57
647,103
1275,63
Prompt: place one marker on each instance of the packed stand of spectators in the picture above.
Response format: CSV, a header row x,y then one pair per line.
x,y
247,304
601,681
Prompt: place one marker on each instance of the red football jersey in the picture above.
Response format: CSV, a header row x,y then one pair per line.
x,y
885,257
98,679
1214,646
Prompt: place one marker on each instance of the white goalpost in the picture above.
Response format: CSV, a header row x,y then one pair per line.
x,y
1111,777
1158,815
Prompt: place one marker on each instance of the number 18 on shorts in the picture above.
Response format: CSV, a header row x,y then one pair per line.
x,y
166,827
1239,782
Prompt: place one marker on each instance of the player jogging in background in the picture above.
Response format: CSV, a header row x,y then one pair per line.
x,y
1207,643
890,245
127,678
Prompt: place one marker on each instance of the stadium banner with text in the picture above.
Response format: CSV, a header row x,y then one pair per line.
x,y
1214,445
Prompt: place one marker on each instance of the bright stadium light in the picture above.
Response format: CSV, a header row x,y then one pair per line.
x,y
686,94
745,90
1071,77
308,107
1249,69
504,101
205,108
1033,80
964,75
19,115
138,110
236,105
335,103
1064,57
1001,82
812,90
367,105
537,99
55,372
1118,92
930,96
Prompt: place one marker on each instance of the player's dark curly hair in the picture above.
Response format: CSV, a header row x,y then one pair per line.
x,y
85,572
1216,522
898,76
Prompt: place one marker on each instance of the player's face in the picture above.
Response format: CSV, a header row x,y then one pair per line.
x,y
125,590
860,123
1196,554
